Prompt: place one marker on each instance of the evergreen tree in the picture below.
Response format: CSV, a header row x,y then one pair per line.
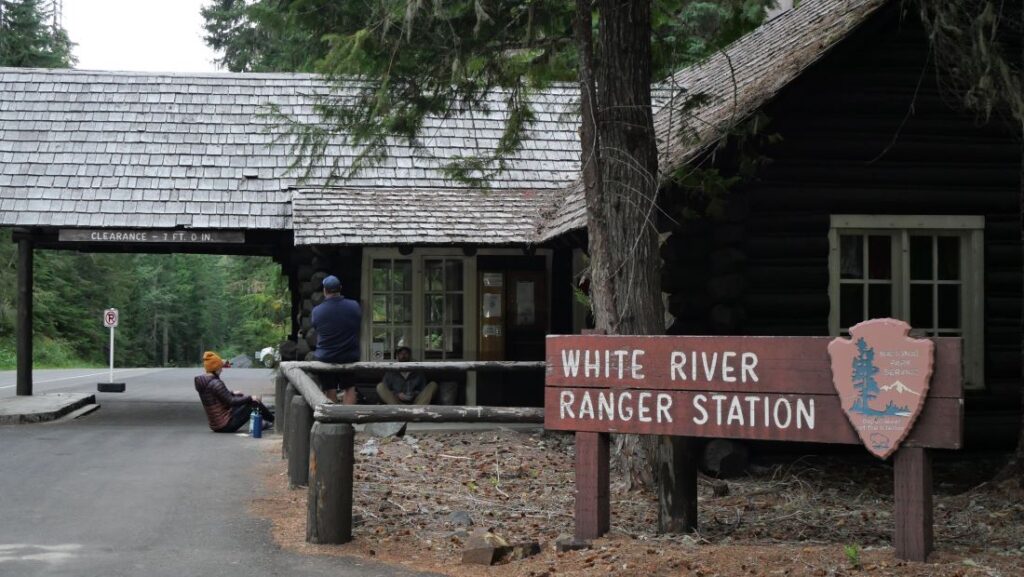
x,y
864,371
415,59
28,40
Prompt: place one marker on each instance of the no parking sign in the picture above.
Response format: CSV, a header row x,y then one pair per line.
x,y
110,318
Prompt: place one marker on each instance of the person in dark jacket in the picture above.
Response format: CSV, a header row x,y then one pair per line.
x,y
337,321
405,387
226,411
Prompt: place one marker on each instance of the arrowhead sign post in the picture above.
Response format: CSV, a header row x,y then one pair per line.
x,y
110,320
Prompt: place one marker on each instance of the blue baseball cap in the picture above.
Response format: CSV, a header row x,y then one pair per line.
x,y
332,283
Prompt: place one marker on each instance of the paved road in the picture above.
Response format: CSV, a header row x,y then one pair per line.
x,y
140,487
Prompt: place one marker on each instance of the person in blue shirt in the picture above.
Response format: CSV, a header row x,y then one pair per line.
x,y
337,321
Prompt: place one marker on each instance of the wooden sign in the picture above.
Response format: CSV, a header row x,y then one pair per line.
x,y
765,388
882,377
131,235
768,388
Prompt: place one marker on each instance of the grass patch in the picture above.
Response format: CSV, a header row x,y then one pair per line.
x,y
47,353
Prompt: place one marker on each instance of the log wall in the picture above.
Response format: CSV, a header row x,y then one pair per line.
x,y
866,130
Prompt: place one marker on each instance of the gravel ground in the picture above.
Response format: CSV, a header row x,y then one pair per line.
x,y
814,516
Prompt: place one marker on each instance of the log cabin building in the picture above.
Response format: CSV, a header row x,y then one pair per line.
x,y
862,190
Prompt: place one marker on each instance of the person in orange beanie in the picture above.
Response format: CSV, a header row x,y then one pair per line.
x,y
226,411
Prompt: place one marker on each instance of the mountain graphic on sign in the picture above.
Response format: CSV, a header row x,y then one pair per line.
x,y
899,388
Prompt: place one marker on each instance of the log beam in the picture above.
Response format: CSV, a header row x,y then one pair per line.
x,y
330,413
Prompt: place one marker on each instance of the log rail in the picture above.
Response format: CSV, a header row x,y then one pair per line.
x,y
319,441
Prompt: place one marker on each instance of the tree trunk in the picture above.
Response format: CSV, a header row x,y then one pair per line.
x,y
1014,469
620,179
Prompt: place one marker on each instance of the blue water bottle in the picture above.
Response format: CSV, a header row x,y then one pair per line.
x,y
256,424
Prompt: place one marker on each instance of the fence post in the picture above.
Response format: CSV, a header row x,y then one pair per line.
x,y
282,418
329,507
913,495
280,385
300,421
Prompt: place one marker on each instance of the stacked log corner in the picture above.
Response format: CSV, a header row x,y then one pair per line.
x,y
306,271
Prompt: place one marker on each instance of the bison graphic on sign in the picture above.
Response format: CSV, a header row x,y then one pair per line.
x,y
882,375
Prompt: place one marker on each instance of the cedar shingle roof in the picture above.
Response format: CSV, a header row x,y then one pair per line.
x,y
112,149
764,62
390,216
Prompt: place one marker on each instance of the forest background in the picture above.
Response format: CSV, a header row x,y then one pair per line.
x,y
173,307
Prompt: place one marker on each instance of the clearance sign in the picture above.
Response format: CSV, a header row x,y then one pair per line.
x,y
758,388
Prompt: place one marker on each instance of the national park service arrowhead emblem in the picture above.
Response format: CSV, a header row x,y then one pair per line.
x,y
882,377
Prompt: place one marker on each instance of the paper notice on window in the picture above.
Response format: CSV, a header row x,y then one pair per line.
x,y
377,351
494,279
492,306
525,310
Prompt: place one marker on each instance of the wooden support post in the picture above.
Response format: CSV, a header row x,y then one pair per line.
x,y
677,485
280,385
329,507
593,511
913,496
300,422
282,419
24,340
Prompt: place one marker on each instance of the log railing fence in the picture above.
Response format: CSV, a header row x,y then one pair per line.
x,y
319,441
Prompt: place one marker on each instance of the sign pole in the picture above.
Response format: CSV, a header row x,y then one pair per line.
x,y
110,318
111,379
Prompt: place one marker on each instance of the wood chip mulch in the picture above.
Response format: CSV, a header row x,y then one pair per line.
x,y
809,516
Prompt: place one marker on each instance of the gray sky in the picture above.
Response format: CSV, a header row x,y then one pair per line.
x,y
149,35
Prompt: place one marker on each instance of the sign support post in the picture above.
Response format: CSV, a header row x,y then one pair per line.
x,y
110,319
111,379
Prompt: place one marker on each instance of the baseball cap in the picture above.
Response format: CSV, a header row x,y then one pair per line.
x,y
332,283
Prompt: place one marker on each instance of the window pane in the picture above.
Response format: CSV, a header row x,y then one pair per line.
x,y
380,275
453,309
401,337
434,307
879,257
949,306
851,305
380,308
879,301
949,258
921,258
380,344
402,311
433,274
433,339
454,350
453,275
921,306
851,256
401,276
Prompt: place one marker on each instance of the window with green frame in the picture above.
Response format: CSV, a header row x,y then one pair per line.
x,y
926,270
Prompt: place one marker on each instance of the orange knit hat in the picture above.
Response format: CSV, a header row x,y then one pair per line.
x,y
211,362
